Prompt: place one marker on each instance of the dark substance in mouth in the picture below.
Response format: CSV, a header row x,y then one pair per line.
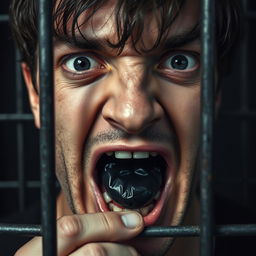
x,y
132,183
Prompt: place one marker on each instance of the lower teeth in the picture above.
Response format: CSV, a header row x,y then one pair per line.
x,y
143,211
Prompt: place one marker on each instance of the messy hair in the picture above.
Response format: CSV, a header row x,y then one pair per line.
x,y
130,18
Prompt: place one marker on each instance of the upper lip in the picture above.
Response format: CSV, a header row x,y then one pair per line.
x,y
142,148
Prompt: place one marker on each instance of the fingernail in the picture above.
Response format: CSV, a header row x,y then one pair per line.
x,y
131,220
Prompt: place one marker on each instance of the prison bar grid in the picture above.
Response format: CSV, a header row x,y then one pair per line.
x,y
177,231
206,231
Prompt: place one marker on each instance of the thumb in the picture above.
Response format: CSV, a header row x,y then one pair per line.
x,y
77,230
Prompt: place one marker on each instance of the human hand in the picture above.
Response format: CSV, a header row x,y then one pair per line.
x,y
91,234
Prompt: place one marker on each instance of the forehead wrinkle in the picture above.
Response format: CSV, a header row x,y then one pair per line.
x,y
100,25
100,29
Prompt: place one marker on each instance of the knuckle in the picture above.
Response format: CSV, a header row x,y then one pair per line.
x,y
106,222
69,226
94,249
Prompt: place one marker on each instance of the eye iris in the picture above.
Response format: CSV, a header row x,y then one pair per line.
x,y
179,62
82,63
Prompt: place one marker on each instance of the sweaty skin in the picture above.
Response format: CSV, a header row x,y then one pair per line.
x,y
129,101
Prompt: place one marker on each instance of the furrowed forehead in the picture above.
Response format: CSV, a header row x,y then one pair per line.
x,y
106,22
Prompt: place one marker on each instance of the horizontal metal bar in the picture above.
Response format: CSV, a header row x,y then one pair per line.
x,y
20,229
188,231
177,231
236,230
233,180
15,184
239,114
16,117
250,15
36,184
29,117
4,17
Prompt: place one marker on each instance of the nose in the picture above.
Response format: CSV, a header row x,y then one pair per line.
x,y
132,106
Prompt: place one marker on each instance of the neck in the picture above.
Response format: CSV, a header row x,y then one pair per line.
x,y
188,245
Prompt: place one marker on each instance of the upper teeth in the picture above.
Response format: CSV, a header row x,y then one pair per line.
x,y
140,155
129,154
123,154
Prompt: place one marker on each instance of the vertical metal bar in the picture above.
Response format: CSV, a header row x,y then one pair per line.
x,y
244,104
207,99
19,129
47,128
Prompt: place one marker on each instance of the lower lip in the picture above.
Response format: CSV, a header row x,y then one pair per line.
x,y
153,216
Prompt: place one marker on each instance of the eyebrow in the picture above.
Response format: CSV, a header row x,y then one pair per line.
x,y
184,38
79,42
82,42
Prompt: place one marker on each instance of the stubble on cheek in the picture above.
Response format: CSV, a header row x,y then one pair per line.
x,y
62,172
63,177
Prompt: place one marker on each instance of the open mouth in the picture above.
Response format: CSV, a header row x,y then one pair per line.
x,y
131,180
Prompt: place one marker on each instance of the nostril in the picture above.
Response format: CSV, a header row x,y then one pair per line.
x,y
131,126
112,122
122,125
134,115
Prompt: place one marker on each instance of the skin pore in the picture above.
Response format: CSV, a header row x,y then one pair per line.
x,y
131,101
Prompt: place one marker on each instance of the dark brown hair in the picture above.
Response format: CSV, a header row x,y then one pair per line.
x,y
130,16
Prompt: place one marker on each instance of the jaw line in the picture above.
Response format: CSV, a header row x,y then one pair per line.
x,y
100,204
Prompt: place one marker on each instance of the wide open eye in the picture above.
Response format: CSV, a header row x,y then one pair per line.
x,y
180,61
81,63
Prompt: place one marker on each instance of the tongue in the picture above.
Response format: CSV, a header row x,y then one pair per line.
x,y
132,183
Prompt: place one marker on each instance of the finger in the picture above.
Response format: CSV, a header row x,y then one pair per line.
x,y
105,249
77,230
33,247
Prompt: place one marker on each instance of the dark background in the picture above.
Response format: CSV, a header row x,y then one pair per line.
x,y
27,142
235,136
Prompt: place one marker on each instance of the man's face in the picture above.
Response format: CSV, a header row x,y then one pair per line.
x,y
131,105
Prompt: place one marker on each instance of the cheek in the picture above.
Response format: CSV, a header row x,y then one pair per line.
x,y
76,108
190,119
189,124
183,107
70,123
